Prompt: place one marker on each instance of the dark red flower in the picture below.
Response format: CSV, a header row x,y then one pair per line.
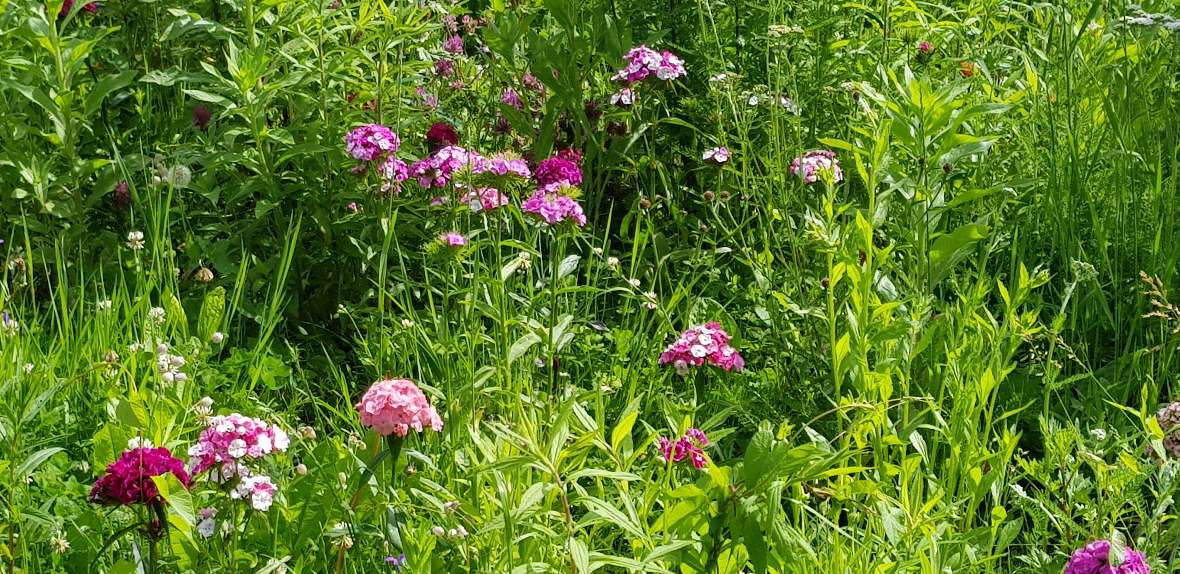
x,y
201,117
122,195
441,135
129,479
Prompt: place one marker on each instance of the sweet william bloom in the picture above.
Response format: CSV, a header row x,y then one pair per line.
x,y
129,480
393,172
925,48
558,169
1095,558
512,98
690,446
227,439
371,141
259,490
718,155
441,135
623,97
505,164
453,44
553,205
485,199
91,7
812,164
643,63
453,239
396,406
706,344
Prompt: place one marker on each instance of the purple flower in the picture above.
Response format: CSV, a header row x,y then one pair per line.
x,y
719,155
643,63
452,239
371,141
1094,558
511,98
453,44
690,446
396,561
623,97
201,117
553,204
558,169
443,68
810,165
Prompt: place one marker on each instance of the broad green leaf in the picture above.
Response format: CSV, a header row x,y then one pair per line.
x,y
35,460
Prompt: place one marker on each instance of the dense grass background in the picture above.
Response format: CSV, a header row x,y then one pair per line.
x,y
954,356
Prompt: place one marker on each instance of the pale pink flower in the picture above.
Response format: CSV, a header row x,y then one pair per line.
x,y
396,406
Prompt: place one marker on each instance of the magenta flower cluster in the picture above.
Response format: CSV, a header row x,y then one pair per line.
x,y
810,165
438,169
371,142
643,63
558,169
706,344
453,239
690,446
485,199
553,204
129,480
1094,558
229,439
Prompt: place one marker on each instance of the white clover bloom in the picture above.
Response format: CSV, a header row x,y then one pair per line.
x,y
157,315
135,240
139,442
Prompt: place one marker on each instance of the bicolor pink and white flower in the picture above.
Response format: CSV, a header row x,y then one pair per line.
x,y
690,446
718,155
706,344
371,141
644,62
228,439
811,165
553,204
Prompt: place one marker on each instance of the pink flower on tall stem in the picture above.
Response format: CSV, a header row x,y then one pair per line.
x,y
706,344
811,165
553,204
371,141
690,446
397,406
643,63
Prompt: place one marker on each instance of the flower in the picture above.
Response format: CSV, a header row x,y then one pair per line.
x,y
230,438
206,526
217,338
558,169
967,69
643,62
452,239
371,141
135,240
156,315
512,98
623,97
203,275
1094,558
394,406
453,44
201,117
701,345
396,561
504,164
393,172
810,165
129,480
259,489
531,82
925,48
719,155
485,199
553,204
122,196
441,135
688,446
59,543
8,324
438,169
443,68
1169,420
91,7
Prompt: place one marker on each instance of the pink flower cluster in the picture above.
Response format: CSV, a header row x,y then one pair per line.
x,y
503,164
259,490
1094,558
129,479
230,438
511,98
810,165
453,44
452,239
371,141
643,63
91,7
553,204
558,169
701,345
394,406
690,446
718,155
438,169
485,199
393,172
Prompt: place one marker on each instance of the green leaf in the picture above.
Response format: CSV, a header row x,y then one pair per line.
x,y
579,555
178,498
212,310
210,98
35,460
522,345
108,443
951,248
104,88
568,265
758,459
